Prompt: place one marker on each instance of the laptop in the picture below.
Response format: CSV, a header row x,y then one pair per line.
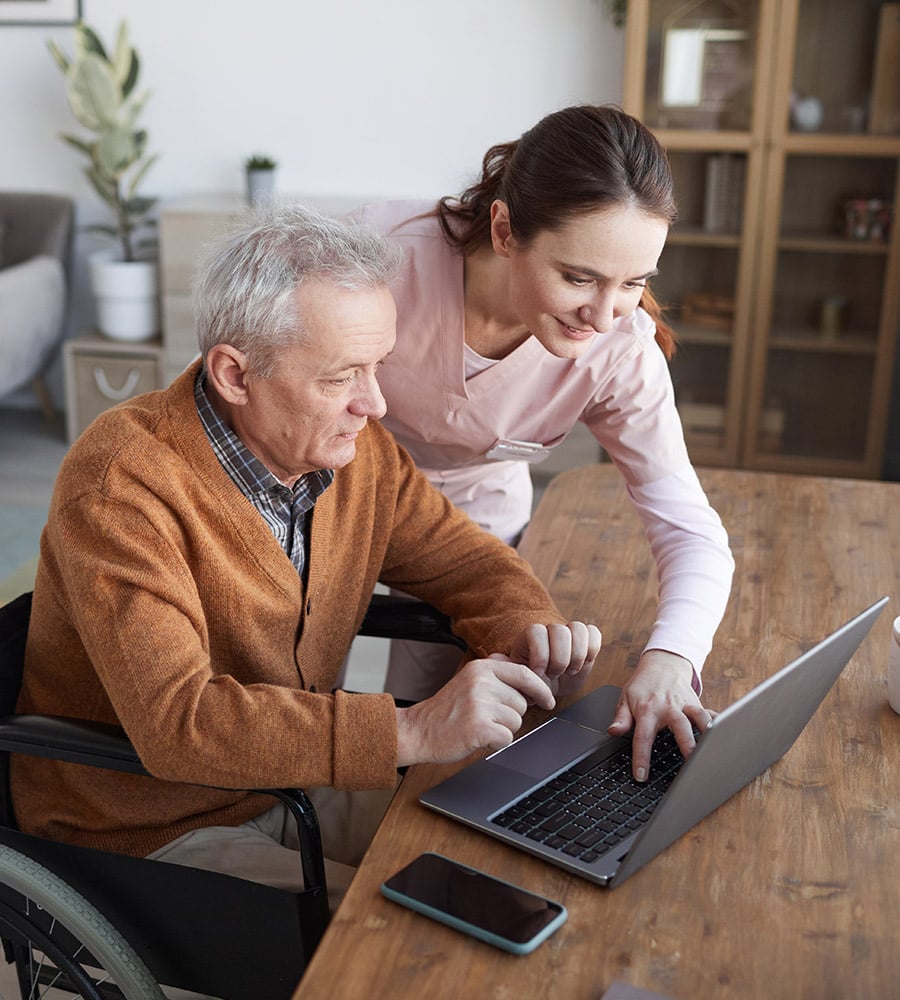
x,y
564,791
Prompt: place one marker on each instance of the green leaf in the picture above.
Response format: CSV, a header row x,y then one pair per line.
x,y
61,59
103,186
139,206
141,173
122,53
87,42
134,66
115,152
93,94
134,109
80,144
107,230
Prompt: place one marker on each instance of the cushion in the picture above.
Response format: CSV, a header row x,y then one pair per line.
x,y
32,310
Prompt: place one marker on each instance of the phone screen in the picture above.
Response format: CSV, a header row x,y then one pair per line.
x,y
474,900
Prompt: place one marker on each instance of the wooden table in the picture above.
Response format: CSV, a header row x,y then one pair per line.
x,y
791,888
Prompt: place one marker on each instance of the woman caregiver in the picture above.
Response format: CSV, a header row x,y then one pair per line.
x,y
524,308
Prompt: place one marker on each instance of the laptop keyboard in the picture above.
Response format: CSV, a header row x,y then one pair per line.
x,y
595,804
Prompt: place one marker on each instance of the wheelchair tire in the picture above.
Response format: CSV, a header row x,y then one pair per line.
x,y
48,904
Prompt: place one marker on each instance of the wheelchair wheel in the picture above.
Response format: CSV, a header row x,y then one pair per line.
x,y
63,946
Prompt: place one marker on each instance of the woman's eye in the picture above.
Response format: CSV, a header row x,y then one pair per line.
x,y
577,280
632,285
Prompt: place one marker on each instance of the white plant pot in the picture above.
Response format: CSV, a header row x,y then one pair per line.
x,y
127,296
260,186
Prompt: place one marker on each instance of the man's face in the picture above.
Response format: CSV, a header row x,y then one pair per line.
x,y
309,413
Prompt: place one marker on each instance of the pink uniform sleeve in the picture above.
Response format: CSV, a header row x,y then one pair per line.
x,y
693,559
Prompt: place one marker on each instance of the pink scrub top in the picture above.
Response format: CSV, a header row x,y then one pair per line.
x,y
467,433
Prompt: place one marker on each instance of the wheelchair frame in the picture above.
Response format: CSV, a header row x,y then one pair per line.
x,y
148,909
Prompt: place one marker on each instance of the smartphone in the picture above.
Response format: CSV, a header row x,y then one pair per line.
x,y
476,903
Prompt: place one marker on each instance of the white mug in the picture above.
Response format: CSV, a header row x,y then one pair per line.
x,y
893,670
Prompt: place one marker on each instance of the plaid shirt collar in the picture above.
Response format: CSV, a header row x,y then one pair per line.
x,y
284,509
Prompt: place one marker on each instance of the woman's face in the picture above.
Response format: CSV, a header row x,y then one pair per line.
x,y
570,285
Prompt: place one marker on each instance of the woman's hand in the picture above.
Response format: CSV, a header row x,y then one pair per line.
x,y
659,695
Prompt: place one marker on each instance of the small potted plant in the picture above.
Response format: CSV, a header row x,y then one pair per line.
x,y
260,172
102,96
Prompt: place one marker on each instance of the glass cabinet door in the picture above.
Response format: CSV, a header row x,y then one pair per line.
x,y
781,119
825,330
700,64
695,76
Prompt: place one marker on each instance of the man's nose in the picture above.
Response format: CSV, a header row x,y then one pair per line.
x,y
370,402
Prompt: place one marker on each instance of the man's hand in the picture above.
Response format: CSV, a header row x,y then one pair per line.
x,y
563,655
659,695
481,707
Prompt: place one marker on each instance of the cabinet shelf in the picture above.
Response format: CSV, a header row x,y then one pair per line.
x,y
812,341
852,144
703,336
816,243
695,237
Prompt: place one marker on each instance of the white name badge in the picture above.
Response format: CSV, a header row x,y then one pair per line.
x,y
517,451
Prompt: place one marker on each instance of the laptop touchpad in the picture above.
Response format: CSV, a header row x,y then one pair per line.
x,y
551,747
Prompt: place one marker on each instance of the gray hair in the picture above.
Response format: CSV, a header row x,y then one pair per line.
x,y
244,294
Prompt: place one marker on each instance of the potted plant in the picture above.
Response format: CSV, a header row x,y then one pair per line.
x,y
102,97
260,172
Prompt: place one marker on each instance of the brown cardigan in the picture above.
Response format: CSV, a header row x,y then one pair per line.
x,y
164,603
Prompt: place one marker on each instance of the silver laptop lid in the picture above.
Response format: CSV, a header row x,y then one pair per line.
x,y
747,737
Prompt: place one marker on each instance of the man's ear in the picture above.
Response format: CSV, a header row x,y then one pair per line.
x,y
501,234
227,369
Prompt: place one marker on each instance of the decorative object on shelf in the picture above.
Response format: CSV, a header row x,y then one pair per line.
x,y
831,316
867,219
723,199
260,172
705,74
807,113
102,97
708,309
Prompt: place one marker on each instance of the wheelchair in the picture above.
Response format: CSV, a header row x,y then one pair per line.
x,y
99,925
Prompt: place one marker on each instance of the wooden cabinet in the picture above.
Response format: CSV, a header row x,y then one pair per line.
x,y
101,372
185,226
782,123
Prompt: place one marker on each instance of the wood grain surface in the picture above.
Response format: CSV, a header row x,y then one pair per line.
x,y
792,887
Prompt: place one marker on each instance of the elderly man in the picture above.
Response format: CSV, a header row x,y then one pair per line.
x,y
208,558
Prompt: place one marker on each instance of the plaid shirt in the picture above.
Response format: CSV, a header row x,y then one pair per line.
x,y
285,510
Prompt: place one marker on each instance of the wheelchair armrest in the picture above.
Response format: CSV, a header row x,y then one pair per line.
x,y
390,617
98,744
74,740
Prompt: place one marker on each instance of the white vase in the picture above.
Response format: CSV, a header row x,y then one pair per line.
x,y
807,114
260,186
127,296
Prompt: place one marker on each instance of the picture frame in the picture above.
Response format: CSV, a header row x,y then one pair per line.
x,y
43,13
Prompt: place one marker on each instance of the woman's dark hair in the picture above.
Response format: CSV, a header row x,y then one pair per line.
x,y
572,162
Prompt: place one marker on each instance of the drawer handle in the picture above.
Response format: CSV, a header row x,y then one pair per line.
x,y
117,395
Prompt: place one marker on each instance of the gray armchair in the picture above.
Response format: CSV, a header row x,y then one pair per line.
x,y
35,253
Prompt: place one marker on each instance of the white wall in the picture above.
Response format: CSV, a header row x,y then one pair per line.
x,y
352,97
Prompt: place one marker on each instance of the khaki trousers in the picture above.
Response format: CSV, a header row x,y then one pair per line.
x,y
266,848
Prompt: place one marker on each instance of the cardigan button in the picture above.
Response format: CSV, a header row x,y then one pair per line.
x,y
312,689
